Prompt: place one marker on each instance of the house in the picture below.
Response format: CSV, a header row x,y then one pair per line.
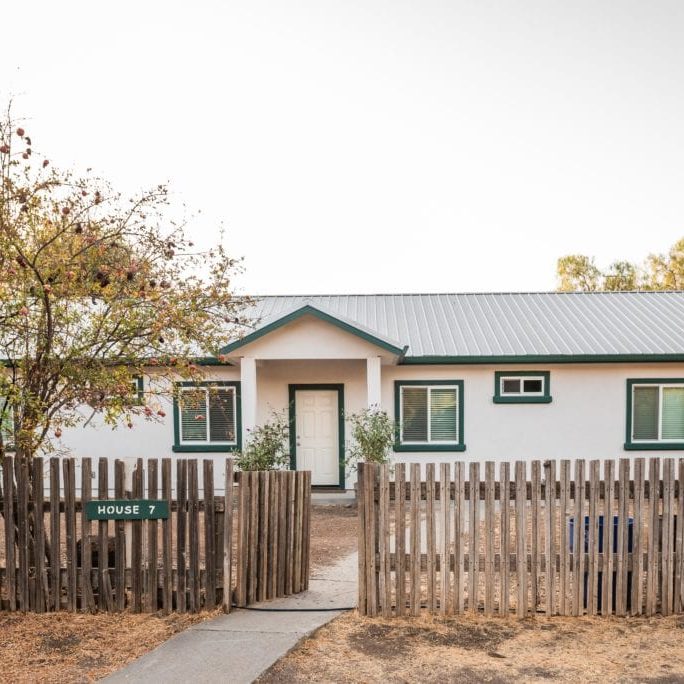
x,y
467,376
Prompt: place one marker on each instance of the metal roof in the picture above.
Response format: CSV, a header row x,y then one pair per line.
x,y
502,325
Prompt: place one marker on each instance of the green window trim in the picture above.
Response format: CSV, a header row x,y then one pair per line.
x,y
657,444
522,398
458,445
7,426
139,390
207,447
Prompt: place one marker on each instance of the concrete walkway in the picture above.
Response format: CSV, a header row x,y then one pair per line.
x,y
242,645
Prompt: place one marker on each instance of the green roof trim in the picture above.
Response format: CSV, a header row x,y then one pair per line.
x,y
542,358
309,310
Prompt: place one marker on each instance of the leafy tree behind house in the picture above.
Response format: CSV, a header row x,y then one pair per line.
x,y
95,288
579,273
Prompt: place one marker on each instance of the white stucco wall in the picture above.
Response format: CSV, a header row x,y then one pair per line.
x,y
586,418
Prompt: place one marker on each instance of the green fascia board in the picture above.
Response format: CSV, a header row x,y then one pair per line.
x,y
309,310
646,446
541,358
292,416
212,361
398,446
522,399
208,447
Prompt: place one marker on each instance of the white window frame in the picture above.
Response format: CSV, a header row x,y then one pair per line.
x,y
208,441
428,387
661,387
522,379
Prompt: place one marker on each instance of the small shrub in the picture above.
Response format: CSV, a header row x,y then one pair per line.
x,y
267,447
372,432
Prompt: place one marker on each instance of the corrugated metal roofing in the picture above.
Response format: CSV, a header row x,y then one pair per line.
x,y
507,324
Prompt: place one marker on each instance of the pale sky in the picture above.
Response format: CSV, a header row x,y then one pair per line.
x,y
372,145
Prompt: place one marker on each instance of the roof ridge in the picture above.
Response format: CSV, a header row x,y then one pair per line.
x,y
466,294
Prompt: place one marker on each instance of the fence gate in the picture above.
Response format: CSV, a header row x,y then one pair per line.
x,y
250,545
539,537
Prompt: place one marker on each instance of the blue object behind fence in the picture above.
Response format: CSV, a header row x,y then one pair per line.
x,y
630,539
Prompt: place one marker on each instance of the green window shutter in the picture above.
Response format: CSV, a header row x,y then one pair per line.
x,y
673,413
193,415
222,416
443,415
645,412
414,426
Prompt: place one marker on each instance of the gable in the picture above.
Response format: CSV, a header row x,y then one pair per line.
x,y
310,337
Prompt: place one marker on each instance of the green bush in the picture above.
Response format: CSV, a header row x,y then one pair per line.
x,y
268,445
372,432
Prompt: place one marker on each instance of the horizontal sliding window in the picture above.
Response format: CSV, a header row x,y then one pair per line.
x,y
429,415
522,387
655,414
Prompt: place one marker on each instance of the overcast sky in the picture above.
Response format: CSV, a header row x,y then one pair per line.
x,y
370,145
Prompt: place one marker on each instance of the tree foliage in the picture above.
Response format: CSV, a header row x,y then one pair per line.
x,y
95,288
579,273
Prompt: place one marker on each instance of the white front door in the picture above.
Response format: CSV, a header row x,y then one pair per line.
x,y
317,432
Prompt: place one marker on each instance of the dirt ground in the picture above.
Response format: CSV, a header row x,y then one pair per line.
x,y
333,534
477,649
68,648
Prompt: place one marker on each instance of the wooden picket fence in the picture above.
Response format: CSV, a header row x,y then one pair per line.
x,y
250,545
451,544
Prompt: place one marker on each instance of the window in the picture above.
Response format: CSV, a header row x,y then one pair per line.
x,y
522,387
135,397
207,416
655,414
429,415
7,425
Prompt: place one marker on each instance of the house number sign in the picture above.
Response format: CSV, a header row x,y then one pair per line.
x,y
127,509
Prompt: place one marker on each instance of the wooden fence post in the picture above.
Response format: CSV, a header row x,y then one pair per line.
x,y
550,532
520,534
87,595
39,535
489,538
505,537
152,583
8,513
474,537
55,541
228,538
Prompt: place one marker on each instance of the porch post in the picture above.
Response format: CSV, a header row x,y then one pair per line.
x,y
373,381
248,388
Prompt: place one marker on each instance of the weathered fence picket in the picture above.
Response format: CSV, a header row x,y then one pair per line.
x,y
602,540
67,562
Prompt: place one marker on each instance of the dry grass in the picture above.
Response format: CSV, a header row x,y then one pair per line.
x,y
476,649
64,647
